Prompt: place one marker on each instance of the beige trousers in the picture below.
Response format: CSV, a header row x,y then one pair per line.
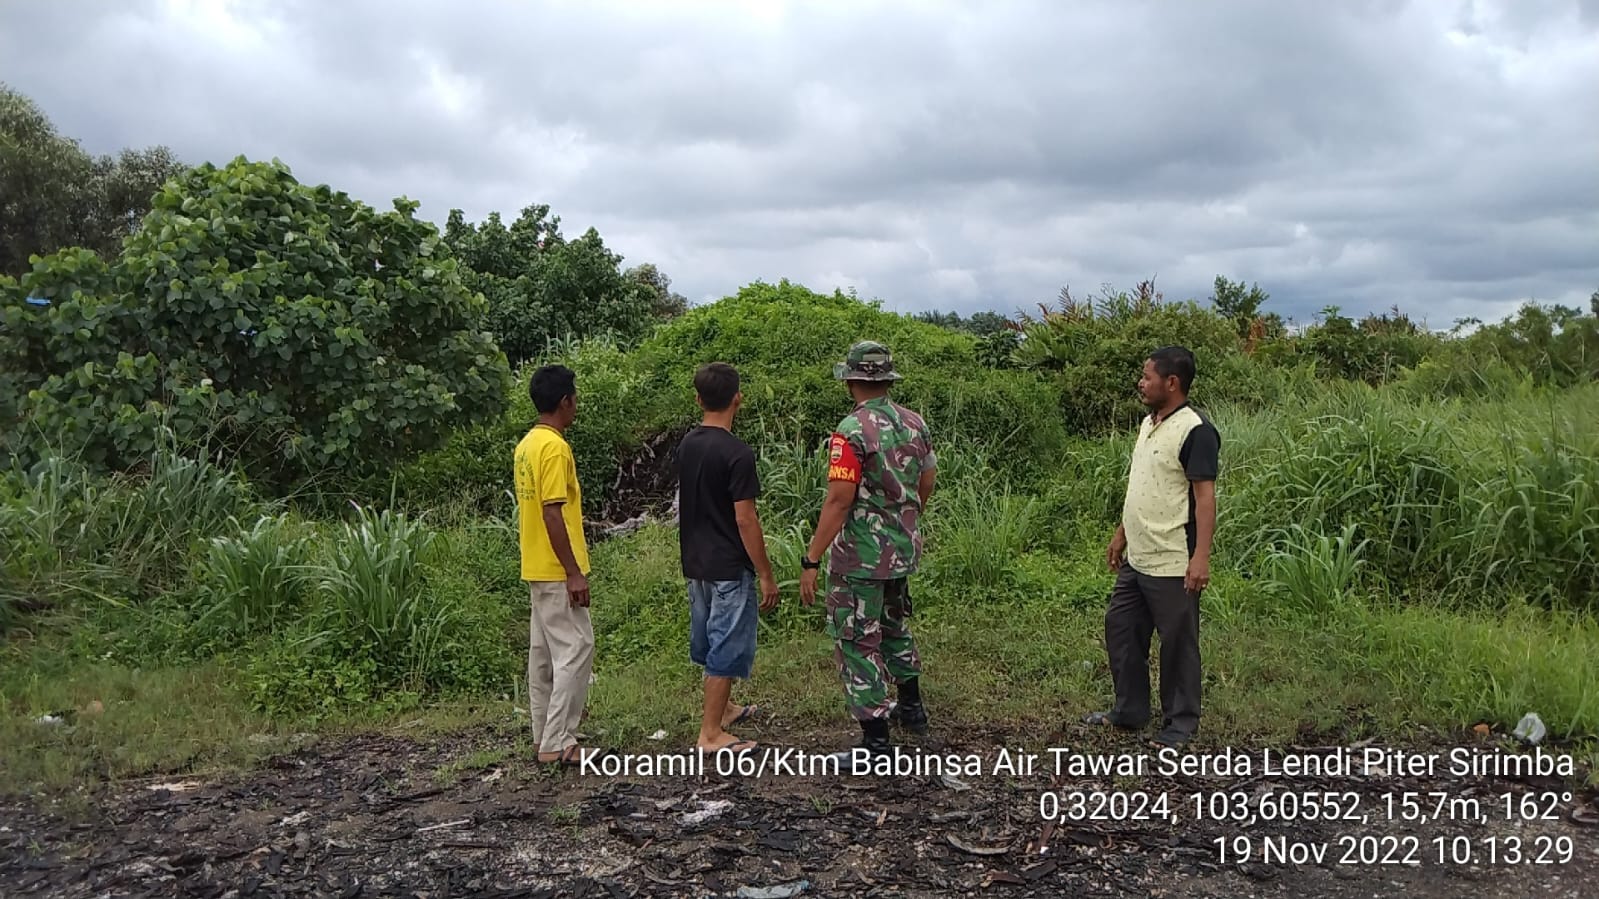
x,y
559,659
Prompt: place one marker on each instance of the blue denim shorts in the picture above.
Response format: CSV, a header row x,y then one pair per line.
x,y
721,631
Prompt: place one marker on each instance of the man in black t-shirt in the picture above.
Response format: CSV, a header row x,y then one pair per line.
x,y
723,553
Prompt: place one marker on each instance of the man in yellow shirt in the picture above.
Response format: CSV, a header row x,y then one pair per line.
x,y
555,563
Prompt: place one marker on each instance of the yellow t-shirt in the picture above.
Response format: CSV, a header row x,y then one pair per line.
x,y
546,473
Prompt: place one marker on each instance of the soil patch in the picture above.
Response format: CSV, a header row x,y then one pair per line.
x,y
390,816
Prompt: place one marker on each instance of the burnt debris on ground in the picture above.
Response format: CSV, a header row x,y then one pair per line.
x,y
645,489
387,816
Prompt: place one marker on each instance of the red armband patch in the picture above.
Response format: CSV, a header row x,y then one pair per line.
x,y
841,462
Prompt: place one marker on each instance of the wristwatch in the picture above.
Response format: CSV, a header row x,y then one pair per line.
x,y
808,565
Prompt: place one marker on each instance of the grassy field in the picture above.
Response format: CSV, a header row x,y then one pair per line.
x,y
1387,567
1272,674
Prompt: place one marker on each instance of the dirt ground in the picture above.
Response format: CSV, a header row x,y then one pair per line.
x,y
391,816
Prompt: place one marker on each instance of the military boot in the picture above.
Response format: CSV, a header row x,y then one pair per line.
x,y
874,739
909,712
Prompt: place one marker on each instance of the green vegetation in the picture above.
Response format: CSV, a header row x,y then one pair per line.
x,y
57,195
783,339
296,330
538,283
254,482
1315,620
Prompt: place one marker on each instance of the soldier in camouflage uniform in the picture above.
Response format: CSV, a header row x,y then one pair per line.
x,y
881,469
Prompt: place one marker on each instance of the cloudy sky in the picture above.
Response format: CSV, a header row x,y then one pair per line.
x,y
1442,156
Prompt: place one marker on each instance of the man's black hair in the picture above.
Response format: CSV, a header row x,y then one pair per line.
x,y
550,385
717,384
1175,360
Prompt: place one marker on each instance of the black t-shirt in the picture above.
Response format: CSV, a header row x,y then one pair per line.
x,y
714,470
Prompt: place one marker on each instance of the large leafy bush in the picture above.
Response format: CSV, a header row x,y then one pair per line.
x,y
298,330
784,340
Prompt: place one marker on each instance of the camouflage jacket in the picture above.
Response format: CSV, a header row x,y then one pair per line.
x,y
883,448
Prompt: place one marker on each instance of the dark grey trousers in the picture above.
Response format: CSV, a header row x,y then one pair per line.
x,y
1139,606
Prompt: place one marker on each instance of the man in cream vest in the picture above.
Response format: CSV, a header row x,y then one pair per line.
x,y
1161,553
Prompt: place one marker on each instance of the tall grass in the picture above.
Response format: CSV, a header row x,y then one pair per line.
x,y
373,589
251,580
1535,526
1316,572
1461,503
72,536
793,478
177,501
399,611
977,536
52,545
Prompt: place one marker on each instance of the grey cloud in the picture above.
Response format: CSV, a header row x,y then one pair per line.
x,y
1441,156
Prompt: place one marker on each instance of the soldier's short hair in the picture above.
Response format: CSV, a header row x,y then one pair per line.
x,y
717,384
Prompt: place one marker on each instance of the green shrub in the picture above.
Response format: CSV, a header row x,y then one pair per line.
x,y
312,675
1051,581
474,467
1096,353
1452,373
298,331
1375,350
784,340
1556,345
1006,415
790,396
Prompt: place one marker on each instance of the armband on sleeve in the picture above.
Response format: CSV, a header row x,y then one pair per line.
x,y
842,463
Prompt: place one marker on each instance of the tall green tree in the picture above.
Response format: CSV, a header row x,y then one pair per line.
x,y
653,285
53,194
122,191
1241,305
541,285
43,179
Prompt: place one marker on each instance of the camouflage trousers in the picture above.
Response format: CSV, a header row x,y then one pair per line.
x,y
872,644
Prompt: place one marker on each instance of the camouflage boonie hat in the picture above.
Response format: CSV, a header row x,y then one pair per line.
x,y
867,361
